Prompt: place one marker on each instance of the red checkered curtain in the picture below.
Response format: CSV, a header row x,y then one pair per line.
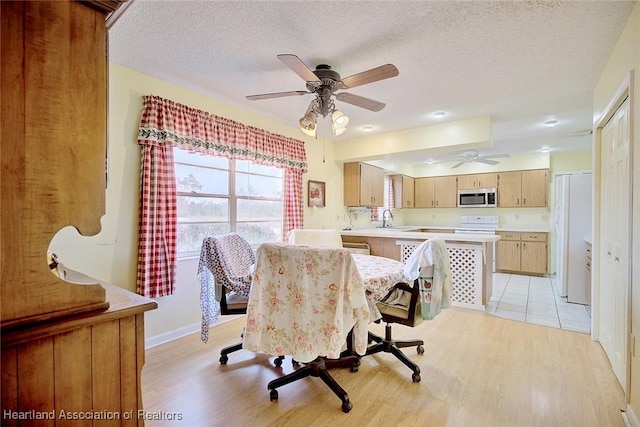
x,y
157,222
391,199
166,124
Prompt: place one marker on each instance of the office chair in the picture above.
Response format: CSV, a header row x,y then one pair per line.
x,y
409,305
230,260
304,302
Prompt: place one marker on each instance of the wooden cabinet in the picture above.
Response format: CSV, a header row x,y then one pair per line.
x,y
436,192
77,348
425,192
379,246
480,180
446,192
523,188
363,185
403,191
79,364
522,252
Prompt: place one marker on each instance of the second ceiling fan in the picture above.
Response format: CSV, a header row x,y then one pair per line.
x,y
324,82
474,156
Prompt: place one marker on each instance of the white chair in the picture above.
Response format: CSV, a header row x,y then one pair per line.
x,y
320,238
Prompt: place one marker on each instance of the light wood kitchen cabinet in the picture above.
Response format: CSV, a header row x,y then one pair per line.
x,y
523,188
446,191
403,191
425,192
379,246
436,192
363,185
480,180
522,252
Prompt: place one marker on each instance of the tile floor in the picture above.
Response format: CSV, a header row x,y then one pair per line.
x,y
536,300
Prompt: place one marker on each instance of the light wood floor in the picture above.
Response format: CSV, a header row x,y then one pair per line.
x,y
477,370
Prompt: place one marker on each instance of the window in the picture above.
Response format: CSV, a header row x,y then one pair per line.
x,y
217,195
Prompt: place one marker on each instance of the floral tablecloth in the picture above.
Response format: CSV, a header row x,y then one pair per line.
x,y
304,301
379,275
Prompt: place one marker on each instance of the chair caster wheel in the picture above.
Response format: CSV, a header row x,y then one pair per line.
x,y
416,378
273,395
420,349
355,365
224,359
278,362
346,406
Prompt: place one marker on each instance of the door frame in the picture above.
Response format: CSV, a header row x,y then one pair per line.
x,y
625,90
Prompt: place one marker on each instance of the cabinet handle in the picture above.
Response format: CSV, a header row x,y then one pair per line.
x,y
608,252
518,201
436,203
616,259
517,245
524,201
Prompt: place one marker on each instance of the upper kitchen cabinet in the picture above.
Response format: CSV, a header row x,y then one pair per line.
x,y
436,192
425,192
403,191
523,188
480,180
363,185
446,191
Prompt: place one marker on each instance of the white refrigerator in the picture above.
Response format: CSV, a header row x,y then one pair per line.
x,y
573,225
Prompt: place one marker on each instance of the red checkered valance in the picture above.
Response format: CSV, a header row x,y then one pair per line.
x,y
165,122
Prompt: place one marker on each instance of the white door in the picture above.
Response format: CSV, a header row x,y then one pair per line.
x,y
615,240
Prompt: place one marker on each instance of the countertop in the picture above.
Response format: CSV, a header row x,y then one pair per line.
x,y
405,232
513,228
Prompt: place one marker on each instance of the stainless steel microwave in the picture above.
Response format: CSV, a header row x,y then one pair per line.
x,y
478,198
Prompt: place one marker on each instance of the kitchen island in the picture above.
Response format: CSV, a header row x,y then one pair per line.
x,y
471,257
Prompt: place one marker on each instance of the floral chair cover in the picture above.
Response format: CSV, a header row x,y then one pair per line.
x,y
304,301
225,260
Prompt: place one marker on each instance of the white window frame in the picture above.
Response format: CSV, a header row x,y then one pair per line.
x,y
231,196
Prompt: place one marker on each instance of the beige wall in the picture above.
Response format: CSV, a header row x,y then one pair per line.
x,y
625,58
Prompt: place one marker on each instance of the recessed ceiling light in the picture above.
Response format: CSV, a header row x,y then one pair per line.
x,y
367,128
545,149
430,161
550,123
439,114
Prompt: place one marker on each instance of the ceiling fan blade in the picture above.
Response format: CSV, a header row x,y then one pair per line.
x,y
276,95
458,164
298,67
487,161
493,156
373,75
360,101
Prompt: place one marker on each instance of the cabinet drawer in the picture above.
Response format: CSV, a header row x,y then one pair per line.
x,y
508,235
534,237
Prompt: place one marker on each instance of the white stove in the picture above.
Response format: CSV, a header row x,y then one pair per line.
x,y
477,224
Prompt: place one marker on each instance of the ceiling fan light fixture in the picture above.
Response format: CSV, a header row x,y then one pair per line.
x,y
439,114
339,119
550,123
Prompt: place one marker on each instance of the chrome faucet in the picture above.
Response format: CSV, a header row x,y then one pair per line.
x,y
384,218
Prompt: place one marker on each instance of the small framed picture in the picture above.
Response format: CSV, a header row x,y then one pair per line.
x,y
316,193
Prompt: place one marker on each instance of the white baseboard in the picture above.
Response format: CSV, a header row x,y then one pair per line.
x,y
185,330
172,335
630,417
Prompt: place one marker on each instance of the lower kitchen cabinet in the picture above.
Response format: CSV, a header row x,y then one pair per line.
x,y
524,253
379,246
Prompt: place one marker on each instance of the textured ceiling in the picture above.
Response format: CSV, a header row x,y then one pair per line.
x,y
519,62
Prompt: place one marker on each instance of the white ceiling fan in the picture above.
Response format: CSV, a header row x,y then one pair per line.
x,y
474,156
